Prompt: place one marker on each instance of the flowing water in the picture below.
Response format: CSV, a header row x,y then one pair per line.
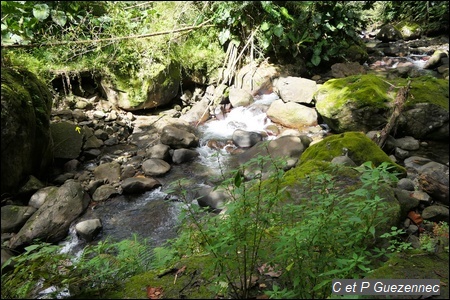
x,y
153,215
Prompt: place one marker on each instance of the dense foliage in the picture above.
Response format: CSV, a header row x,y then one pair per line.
x,y
432,15
101,34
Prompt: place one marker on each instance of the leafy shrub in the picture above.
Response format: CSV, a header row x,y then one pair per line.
x,y
43,267
308,241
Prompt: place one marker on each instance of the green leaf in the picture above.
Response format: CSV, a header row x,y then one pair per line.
x,y
59,17
286,14
315,60
265,26
278,30
224,36
238,179
41,11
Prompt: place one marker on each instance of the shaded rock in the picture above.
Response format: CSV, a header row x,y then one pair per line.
x,y
340,70
407,202
389,33
68,141
26,109
435,213
184,155
13,217
434,180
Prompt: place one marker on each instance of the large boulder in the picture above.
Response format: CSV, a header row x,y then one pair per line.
x,y
158,87
257,78
355,145
52,220
365,103
292,114
27,146
68,141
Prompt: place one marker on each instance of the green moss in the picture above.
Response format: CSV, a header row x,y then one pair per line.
x,y
362,90
428,89
193,284
414,264
360,149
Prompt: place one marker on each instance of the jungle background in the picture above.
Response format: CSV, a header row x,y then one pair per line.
x,y
126,40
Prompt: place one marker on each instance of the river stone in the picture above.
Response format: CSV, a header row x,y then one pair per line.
x,y
14,216
406,201
239,97
137,185
291,114
213,198
178,138
92,142
52,220
155,167
435,213
406,184
109,172
87,230
433,179
245,139
183,155
343,160
296,89
407,143
104,192
159,151
38,198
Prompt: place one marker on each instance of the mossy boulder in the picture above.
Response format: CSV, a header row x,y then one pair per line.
x,y
359,148
145,90
366,102
409,30
27,146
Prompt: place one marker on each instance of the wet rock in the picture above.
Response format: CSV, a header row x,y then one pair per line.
x,y
138,185
87,230
245,139
183,155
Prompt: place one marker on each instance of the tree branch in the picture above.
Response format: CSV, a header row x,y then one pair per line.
x,y
109,39
400,99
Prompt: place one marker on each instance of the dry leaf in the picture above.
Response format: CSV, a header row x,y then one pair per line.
x,y
154,292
